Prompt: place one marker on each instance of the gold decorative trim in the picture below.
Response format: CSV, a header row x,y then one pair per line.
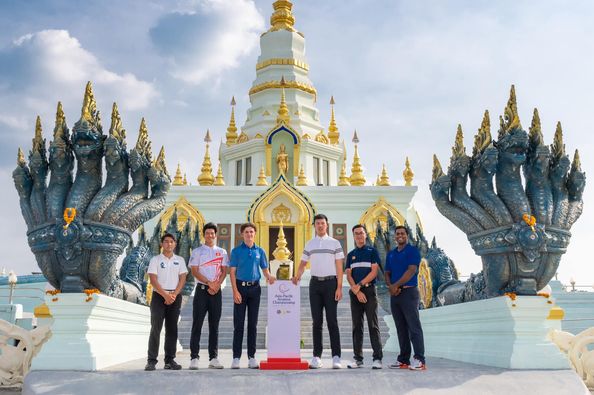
x,y
282,62
379,211
185,212
288,85
556,313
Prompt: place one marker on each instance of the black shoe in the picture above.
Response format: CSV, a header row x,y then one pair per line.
x,y
150,366
172,366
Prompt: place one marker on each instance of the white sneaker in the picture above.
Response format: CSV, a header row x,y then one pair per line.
x,y
194,364
377,364
215,364
235,363
417,365
253,364
316,363
336,363
355,365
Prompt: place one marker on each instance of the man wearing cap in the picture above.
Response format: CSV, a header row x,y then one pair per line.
x,y
361,269
167,273
246,261
209,265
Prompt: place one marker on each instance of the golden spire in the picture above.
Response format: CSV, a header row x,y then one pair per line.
x,y
377,181
343,179
576,165
281,252
219,179
60,128
357,178
159,162
232,129
206,178
178,179
408,173
21,158
333,134
262,178
89,107
283,110
185,182
282,18
117,130
38,141
301,179
511,120
437,170
458,150
383,180
143,145
558,147
535,131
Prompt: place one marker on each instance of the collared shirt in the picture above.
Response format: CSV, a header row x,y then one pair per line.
x,y
397,263
167,270
359,260
322,253
248,261
210,261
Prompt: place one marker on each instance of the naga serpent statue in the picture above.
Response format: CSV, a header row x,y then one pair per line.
x,y
520,232
77,227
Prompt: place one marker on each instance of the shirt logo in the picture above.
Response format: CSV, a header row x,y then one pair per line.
x,y
257,256
353,258
218,254
176,263
162,265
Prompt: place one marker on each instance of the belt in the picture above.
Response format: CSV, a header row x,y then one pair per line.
x,y
247,283
317,278
170,290
408,286
367,285
202,286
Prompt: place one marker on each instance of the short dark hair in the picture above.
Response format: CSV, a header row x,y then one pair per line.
x,y
247,225
209,225
166,235
401,227
359,226
320,216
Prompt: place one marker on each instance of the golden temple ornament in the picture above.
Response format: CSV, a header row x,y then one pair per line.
x,y
178,178
343,179
301,179
206,178
185,182
510,119
357,178
333,134
262,178
282,18
408,173
69,215
219,180
21,158
38,140
231,134
283,110
282,253
384,179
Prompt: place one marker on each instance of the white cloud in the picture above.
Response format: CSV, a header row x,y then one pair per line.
x,y
205,38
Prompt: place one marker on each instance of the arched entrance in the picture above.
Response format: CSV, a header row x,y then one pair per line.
x,y
379,212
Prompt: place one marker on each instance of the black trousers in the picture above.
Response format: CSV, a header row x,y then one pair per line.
x,y
405,311
205,303
369,309
321,297
170,313
250,301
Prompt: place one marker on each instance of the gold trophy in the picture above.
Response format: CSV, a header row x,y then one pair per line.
x,y
282,255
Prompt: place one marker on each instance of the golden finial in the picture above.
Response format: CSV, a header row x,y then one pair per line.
x,y
437,170
178,179
232,129
576,165
408,173
511,120
282,18
185,182
143,145
343,179
535,131
206,178
38,140
383,180
483,137
262,178
321,137
21,158
301,179
89,107
159,162
558,147
281,252
117,129
219,179
377,180
333,134
283,110
357,178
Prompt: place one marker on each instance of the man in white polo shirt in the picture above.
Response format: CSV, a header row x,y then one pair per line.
x,y
325,256
167,272
209,265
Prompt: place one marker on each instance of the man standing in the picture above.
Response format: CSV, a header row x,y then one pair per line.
x,y
167,273
325,255
361,269
209,265
246,261
402,268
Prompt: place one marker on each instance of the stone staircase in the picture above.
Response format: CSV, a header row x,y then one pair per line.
x,y
226,323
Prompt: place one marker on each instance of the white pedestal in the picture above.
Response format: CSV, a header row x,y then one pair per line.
x,y
93,335
494,332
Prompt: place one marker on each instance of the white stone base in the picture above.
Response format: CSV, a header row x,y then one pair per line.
x,y
494,332
93,335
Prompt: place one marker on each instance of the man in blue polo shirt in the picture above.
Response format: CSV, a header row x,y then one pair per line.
x,y
402,268
246,261
361,269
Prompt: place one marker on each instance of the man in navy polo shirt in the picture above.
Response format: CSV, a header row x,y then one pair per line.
x,y
402,268
246,261
361,269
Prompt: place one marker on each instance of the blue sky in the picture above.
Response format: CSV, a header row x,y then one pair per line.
x,y
404,74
